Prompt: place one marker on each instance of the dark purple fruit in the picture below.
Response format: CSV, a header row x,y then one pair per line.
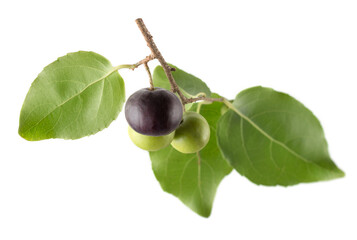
x,y
153,112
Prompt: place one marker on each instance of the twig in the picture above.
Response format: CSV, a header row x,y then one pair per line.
x,y
155,53
144,61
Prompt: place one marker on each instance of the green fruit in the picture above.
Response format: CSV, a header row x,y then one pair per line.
x,y
150,143
193,133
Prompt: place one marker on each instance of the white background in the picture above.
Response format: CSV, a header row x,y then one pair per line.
x,y
102,187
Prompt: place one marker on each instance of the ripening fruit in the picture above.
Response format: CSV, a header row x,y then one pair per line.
x,y
150,143
155,112
193,133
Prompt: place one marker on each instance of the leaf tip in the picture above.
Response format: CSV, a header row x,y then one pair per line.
x,y
206,214
340,173
22,134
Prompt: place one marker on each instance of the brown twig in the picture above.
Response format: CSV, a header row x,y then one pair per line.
x,y
144,61
155,53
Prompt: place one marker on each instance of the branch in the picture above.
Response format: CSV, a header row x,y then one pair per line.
x,y
155,53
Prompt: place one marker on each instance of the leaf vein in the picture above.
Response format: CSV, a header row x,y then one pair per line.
x,y
269,137
245,149
183,172
63,103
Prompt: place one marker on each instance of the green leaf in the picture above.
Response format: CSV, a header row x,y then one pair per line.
x,y
273,139
188,84
77,95
193,178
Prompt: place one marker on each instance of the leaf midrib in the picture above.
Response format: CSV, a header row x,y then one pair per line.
x,y
271,138
75,95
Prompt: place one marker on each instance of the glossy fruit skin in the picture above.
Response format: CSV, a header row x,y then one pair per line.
x,y
193,133
155,112
150,143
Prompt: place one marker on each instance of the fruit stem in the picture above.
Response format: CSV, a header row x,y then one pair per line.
x,y
150,77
